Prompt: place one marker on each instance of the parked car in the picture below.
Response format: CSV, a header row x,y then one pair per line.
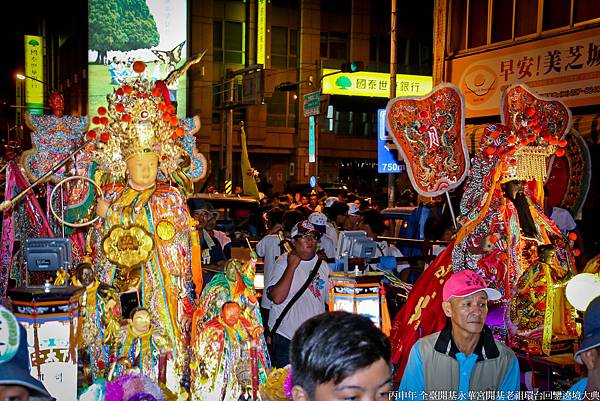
x,y
239,216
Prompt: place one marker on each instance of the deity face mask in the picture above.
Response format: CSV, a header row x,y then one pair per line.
x,y
143,170
231,313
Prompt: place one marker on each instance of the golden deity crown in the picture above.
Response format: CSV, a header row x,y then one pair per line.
x,y
139,119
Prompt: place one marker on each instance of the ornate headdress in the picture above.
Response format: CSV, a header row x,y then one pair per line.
x,y
140,119
539,125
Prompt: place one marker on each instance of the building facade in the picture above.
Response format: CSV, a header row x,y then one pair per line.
x,y
552,46
302,39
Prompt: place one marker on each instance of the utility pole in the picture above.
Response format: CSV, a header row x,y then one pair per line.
x,y
229,150
393,67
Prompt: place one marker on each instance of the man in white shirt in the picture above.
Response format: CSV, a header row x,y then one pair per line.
x,y
292,271
270,247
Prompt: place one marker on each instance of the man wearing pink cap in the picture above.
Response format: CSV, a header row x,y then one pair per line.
x,y
464,358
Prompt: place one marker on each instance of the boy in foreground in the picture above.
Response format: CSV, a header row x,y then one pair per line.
x,y
340,356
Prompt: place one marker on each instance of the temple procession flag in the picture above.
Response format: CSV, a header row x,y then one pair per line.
x,y
429,133
248,173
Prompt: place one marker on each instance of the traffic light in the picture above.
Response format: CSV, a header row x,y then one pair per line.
x,y
353,66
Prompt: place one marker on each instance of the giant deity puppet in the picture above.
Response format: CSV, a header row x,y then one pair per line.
x,y
55,137
236,284
144,244
502,225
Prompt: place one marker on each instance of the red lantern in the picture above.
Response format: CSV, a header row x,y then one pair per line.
x,y
127,89
102,110
103,120
104,137
120,108
572,236
562,143
91,135
96,120
560,152
126,118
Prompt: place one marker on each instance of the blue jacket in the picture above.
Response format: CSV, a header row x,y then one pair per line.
x,y
435,364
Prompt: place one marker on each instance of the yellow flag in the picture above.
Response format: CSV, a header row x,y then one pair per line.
x,y
249,182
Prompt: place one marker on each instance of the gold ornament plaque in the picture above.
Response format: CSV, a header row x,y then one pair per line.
x,y
165,230
128,246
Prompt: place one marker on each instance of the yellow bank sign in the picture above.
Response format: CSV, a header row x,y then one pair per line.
x,y
375,84
34,68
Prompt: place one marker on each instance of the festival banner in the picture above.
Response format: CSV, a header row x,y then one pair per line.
x,y
566,67
152,31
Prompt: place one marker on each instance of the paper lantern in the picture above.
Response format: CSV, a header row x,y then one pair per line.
x,y
357,294
582,289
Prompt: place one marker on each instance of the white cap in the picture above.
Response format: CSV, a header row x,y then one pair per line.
x,y
317,219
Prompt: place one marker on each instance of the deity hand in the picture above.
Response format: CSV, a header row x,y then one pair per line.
x,y
102,207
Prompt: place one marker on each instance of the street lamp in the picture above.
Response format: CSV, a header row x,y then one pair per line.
x,y
23,77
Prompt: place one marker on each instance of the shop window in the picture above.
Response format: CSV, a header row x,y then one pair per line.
x,y
586,10
334,45
281,109
218,41
284,47
228,42
234,42
556,14
478,13
502,18
458,26
526,17
379,53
